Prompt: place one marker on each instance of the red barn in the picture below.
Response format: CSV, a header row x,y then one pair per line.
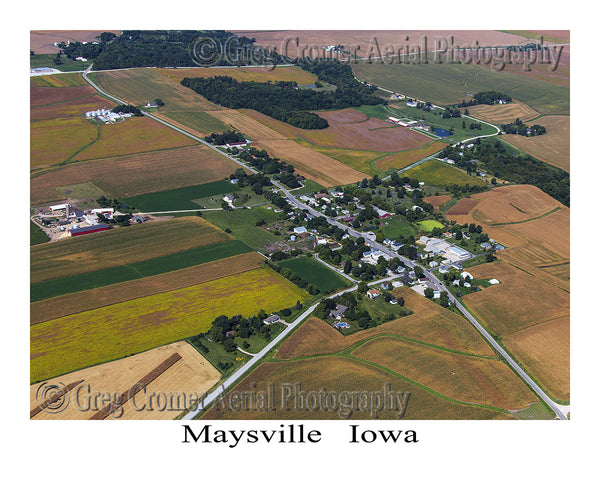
x,y
75,232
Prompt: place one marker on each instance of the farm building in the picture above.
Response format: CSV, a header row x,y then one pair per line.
x,y
466,275
107,212
271,319
494,281
461,253
298,230
76,231
55,208
373,293
152,105
382,213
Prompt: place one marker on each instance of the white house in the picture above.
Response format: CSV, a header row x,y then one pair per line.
x,y
466,276
373,293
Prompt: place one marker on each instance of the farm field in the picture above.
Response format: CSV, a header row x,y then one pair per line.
x,y
434,172
404,159
502,114
59,80
120,375
71,108
132,271
136,174
447,84
133,135
342,374
45,90
553,147
545,349
359,160
313,272
120,245
437,200
36,235
244,74
466,378
197,122
69,304
84,339
180,198
429,323
47,60
42,41
244,122
139,86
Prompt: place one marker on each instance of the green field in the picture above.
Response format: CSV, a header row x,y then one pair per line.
x,y
429,225
46,60
132,271
36,235
179,198
242,223
434,172
397,227
314,272
200,121
447,84
216,353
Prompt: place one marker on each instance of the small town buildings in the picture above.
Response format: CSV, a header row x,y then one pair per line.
x,y
373,293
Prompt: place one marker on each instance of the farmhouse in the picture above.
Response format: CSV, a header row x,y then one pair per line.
x,y
229,198
373,293
77,230
152,105
339,312
271,319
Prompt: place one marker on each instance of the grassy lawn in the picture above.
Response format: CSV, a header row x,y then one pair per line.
x,y
258,342
180,198
397,226
381,310
242,223
434,172
132,271
316,273
310,186
429,225
216,354
37,235
46,60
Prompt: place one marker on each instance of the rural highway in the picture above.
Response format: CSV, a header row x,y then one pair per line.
x,y
561,411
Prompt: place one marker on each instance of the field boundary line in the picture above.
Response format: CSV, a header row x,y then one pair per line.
x,y
53,398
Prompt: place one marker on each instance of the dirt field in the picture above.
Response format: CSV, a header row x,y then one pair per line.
x,y
192,374
42,41
545,350
64,305
244,74
499,114
553,147
465,378
404,159
337,375
496,307
429,323
73,108
463,207
49,96
437,200
120,246
313,165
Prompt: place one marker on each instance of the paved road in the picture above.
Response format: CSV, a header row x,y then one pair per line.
x,y
559,410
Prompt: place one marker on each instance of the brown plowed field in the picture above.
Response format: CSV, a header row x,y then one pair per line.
x,y
313,165
192,374
553,147
437,200
545,349
64,305
429,323
463,207
130,175
72,108
469,379
48,96
500,114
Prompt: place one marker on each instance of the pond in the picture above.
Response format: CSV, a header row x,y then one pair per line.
x,y
442,132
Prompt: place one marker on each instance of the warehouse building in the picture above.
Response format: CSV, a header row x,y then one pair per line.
x,y
76,231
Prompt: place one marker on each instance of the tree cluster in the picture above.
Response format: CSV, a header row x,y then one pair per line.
x,y
135,111
519,128
229,136
488,98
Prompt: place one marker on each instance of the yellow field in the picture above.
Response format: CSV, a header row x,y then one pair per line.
x,y
469,379
120,246
553,147
84,339
500,114
59,80
244,74
546,351
64,305
192,374
247,125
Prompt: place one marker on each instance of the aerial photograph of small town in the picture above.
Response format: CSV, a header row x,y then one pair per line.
x,y
299,225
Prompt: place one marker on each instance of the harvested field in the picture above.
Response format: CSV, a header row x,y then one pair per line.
x,y
437,200
497,309
84,339
404,159
313,165
70,304
138,86
502,114
360,160
429,323
196,122
119,246
59,80
244,74
191,374
553,147
73,108
463,206
336,375
49,96
42,41
136,174
134,135
247,125
545,350
468,379
53,141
